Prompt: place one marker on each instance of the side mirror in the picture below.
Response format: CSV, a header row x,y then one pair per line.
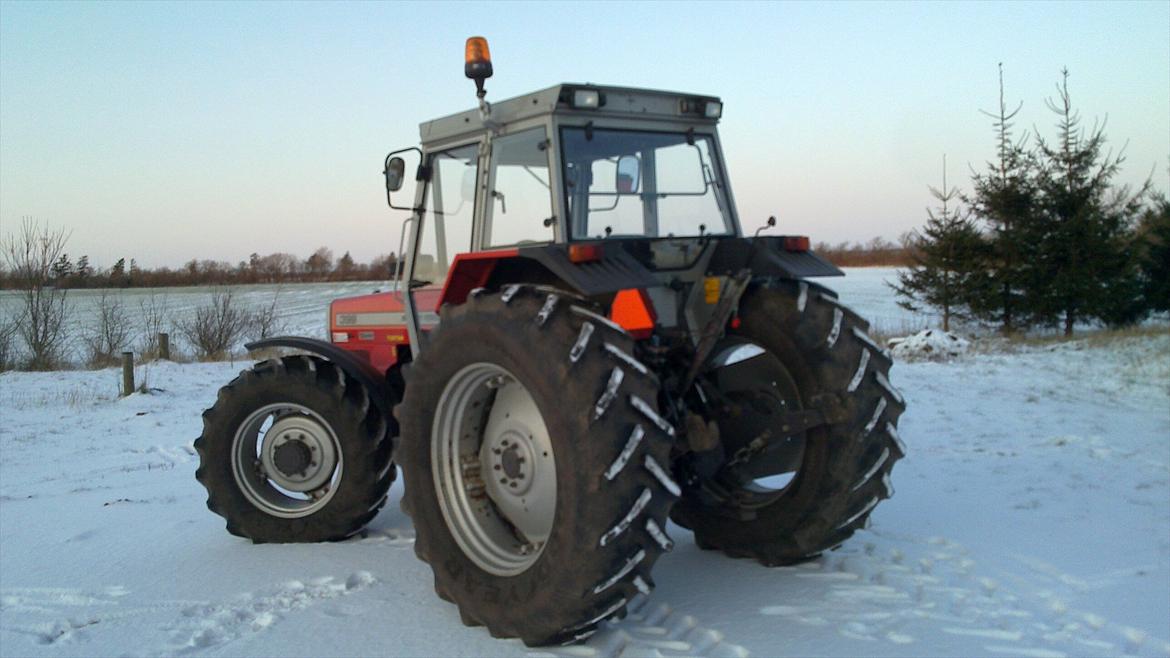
x,y
629,171
395,174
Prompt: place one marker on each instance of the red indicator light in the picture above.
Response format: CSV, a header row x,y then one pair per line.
x,y
796,243
585,253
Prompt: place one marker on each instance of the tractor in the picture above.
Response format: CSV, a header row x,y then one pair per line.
x,y
581,346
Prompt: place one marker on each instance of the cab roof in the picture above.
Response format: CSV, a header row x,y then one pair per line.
x,y
616,102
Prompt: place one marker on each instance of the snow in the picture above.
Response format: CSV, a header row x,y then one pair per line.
x,y
929,344
1032,518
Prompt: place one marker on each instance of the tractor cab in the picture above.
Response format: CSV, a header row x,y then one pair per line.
x,y
613,193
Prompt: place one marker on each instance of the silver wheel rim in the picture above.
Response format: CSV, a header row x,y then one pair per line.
x,y
493,467
286,460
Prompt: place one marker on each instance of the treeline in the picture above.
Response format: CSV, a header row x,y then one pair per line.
x,y
878,252
1045,238
65,272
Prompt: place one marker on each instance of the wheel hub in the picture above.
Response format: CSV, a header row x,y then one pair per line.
x,y
757,395
286,460
292,458
509,457
298,454
493,467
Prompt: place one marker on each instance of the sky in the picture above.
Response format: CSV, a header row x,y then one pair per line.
x,y
170,131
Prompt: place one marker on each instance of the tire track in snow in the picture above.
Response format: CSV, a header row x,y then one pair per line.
x,y
651,629
884,593
207,626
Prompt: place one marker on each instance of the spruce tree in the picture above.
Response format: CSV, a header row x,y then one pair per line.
x,y
948,254
1004,200
1154,254
1084,228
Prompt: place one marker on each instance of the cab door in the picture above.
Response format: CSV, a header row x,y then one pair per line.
x,y
444,223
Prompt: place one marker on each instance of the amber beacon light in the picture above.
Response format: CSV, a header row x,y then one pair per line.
x,y
477,62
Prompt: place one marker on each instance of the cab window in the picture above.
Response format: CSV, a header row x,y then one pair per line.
x,y
519,202
446,230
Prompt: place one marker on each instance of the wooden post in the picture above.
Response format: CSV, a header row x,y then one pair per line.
x,y
164,346
127,373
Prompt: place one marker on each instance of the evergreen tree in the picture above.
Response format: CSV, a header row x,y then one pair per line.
x,y
1084,228
345,266
63,268
1154,254
1004,200
948,257
83,271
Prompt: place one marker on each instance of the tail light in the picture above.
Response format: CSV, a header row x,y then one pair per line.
x,y
585,253
796,243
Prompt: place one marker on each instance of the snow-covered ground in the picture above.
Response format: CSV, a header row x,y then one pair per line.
x,y
1032,518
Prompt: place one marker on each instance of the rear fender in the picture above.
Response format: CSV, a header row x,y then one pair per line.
x,y
381,393
615,270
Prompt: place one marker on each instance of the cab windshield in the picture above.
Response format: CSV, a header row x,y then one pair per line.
x,y
623,183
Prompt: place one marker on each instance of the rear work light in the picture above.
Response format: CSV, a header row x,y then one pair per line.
x,y
585,253
713,109
796,243
586,99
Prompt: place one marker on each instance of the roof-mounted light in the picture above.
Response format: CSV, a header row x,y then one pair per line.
x,y
713,109
586,99
477,62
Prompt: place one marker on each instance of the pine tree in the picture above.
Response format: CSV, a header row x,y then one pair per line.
x,y
63,268
1084,228
948,255
345,266
83,270
1004,200
1154,254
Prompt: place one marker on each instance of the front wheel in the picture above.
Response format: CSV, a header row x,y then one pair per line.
x,y
536,465
295,451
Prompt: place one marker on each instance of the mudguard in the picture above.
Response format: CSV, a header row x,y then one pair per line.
x,y
765,256
380,392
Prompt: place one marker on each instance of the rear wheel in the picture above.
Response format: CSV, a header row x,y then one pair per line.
x,y
788,493
294,451
536,465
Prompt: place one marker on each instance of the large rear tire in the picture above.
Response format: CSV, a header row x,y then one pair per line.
x,y
294,451
536,465
843,468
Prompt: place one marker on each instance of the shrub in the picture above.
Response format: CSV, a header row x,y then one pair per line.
x,y
152,311
108,333
215,327
29,256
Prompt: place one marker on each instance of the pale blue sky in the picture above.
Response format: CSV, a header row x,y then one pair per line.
x,y
211,130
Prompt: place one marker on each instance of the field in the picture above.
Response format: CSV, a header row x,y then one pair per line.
x,y
302,307
1032,518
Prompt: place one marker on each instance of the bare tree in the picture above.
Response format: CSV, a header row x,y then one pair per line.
x,y
108,332
29,255
216,326
153,314
265,321
7,338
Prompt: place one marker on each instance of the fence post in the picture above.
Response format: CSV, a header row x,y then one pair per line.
x,y
127,373
164,346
